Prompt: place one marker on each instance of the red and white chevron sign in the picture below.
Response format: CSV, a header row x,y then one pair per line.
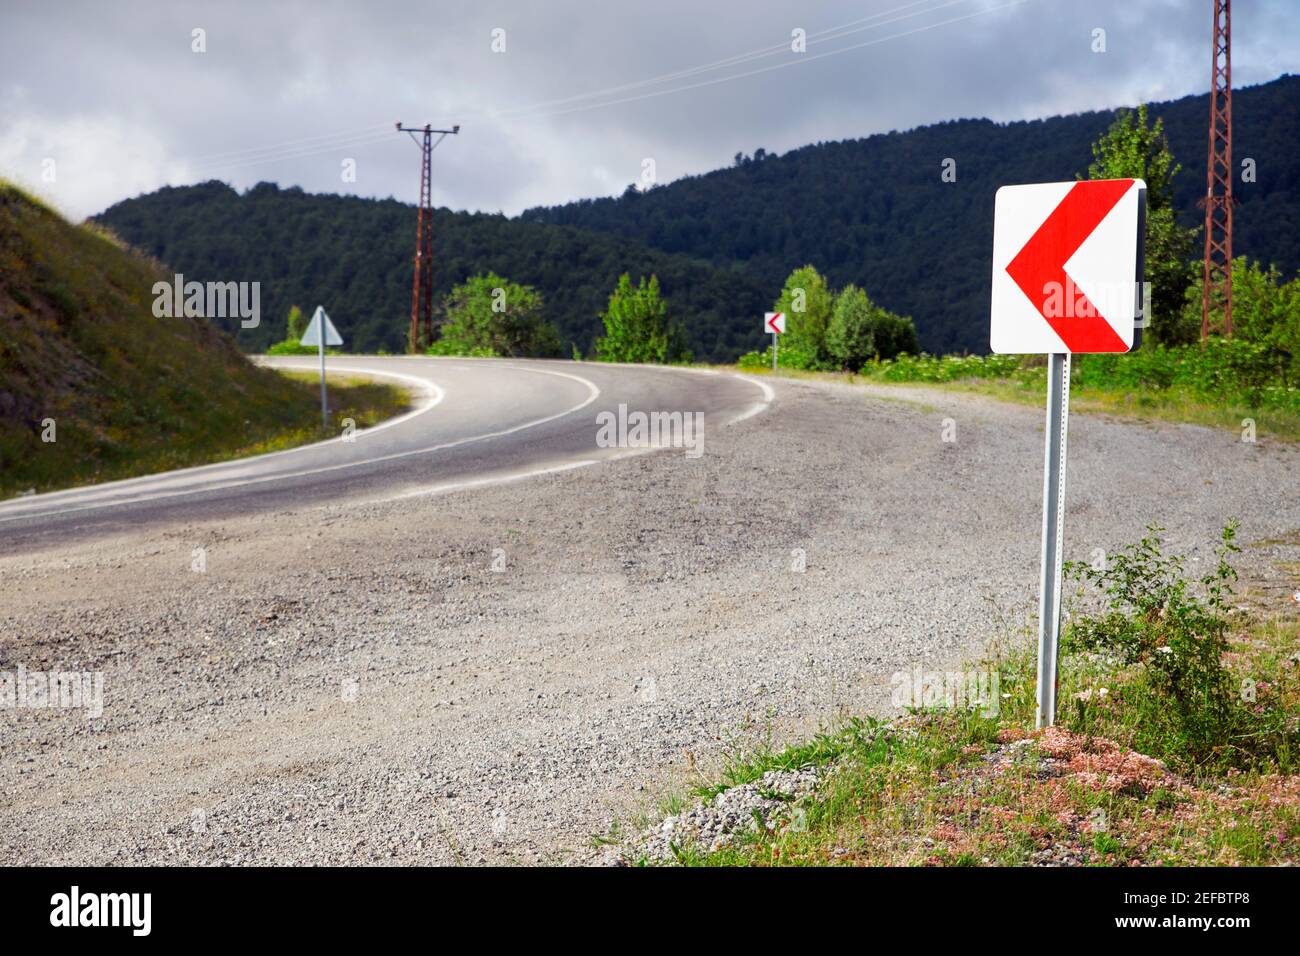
x,y
1067,266
774,322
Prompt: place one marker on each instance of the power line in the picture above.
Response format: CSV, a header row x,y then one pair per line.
x,y
213,157
367,136
304,147
298,153
838,31
780,66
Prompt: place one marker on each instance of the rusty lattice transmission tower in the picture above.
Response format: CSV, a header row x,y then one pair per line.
x,y
421,333
1217,288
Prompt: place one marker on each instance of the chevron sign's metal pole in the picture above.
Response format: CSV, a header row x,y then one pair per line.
x,y
1049,602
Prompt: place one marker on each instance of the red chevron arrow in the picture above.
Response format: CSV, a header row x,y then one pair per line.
x,y
771,323
1041,262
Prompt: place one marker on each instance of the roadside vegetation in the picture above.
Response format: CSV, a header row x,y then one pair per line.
x,y
1235,384
832,331
1249,382
1176,744
295,328
94,386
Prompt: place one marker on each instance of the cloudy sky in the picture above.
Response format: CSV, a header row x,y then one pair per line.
x,y
558,99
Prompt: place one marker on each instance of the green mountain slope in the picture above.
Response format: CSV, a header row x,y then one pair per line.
x,y
126,391
354,256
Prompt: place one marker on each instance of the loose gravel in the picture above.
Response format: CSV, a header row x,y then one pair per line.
x,y
357,684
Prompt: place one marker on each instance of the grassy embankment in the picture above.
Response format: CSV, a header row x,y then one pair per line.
x,y
1176,744
85,362
1220,385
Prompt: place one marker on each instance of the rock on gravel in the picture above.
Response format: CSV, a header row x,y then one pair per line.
x,y
773,801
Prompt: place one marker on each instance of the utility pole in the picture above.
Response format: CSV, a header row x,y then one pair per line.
x,y
421,333
1217,280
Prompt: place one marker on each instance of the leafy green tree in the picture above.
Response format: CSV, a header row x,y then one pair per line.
x,y
808,304
861,331
1133,149
637,327
490,315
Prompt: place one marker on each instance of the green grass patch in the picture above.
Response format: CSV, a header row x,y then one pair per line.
x,y
1221,384
1174,404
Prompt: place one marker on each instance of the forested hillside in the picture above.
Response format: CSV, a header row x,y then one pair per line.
x,y
874,212
354,256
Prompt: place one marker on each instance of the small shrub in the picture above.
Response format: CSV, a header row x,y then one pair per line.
x,y
947,368
1183,703
460,349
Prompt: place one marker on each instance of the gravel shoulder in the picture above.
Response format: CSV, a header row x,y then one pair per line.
x,y
356,684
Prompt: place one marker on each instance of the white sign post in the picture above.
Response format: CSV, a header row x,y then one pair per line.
x,y
1067,278
774,322
313,336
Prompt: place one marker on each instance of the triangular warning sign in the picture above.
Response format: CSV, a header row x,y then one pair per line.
x,y
312,335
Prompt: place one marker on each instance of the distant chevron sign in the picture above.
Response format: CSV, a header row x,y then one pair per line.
x,y
1067,267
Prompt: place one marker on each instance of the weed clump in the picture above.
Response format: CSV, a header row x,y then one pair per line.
x,y
1176,698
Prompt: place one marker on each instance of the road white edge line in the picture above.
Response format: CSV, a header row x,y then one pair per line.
x,y
480,482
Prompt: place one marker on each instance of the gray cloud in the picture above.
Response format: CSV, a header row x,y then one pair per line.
x,y
285,92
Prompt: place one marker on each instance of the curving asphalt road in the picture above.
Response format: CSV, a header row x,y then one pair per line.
x,y
477,421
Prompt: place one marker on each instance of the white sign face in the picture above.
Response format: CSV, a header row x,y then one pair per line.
x,y
312,335
774,322
1067,266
